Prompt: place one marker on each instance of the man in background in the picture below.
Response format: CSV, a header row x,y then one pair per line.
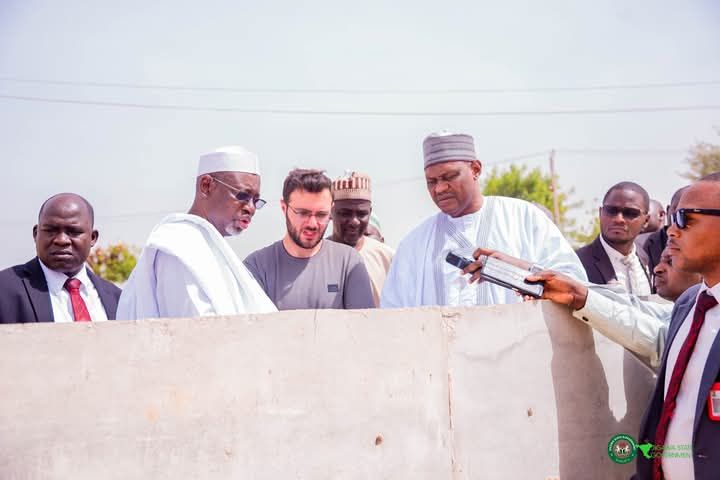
x,y
351,213
671,282
374,230
651,245
303,271
57,285
656,217
612,256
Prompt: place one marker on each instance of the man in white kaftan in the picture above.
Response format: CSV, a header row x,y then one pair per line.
x,y
419,274
187,268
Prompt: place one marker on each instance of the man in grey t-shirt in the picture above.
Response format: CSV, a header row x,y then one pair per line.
x,y
302,270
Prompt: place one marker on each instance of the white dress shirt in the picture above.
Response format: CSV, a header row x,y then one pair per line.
x,y
680,430
60,297
628,270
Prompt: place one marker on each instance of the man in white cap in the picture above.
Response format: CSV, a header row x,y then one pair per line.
x,y
187,268
351,214
419,274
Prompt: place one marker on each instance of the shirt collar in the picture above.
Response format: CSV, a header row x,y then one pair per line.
x,y
714,291
56,280
614,254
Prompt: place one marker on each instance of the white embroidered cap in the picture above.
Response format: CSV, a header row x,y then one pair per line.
x,y
229,159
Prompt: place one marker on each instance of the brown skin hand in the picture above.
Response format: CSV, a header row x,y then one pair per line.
x,y
453,186
474,268
64,234
560,288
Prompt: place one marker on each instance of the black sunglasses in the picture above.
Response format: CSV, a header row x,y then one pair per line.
x,y
241,196
628,213
679,218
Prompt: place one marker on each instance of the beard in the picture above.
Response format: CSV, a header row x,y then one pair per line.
x,y
233,231
297,239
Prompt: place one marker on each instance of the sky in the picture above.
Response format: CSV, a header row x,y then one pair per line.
x,y
341,86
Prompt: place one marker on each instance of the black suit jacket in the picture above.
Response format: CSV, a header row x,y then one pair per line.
x,y
651,247
706,432
597,264
24,294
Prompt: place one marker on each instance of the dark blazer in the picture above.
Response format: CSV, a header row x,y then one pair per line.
x,y
650,247
597,264
706,435
24,294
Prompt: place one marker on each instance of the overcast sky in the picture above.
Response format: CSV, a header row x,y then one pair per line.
x,y
333,85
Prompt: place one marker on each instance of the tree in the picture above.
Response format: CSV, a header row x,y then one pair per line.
x,y
114,263
535,186
703,159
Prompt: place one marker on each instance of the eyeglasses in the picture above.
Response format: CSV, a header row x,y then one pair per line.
x,y
241,196
305,215
628,213
679,218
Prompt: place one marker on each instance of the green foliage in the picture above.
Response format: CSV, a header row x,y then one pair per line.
x,y
114,263
703,159
534,186
580,237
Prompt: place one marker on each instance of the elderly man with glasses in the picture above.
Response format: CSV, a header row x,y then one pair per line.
x,y
187,268
303,271
612,256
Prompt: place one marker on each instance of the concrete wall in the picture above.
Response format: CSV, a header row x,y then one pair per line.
x,y
522,391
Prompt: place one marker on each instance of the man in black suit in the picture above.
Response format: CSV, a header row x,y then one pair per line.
x,y
656,217
57,286
612,256
680,431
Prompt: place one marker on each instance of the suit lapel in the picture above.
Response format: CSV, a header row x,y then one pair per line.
x,y
108,300
37,290
602,261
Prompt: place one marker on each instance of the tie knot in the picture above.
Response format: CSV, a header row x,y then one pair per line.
x,y
72,284
705,302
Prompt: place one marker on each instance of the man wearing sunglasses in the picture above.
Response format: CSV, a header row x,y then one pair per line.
x,y
303,271
684,410
612,256
187,268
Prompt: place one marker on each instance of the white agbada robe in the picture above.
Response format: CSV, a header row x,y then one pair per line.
x,y
419,274
187,269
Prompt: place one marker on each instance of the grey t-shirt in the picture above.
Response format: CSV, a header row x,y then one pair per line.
x,y
335,277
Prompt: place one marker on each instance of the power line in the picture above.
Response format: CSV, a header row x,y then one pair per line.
x,y
367,113
545,153
351,91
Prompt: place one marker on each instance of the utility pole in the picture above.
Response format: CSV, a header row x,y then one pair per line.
x,y
553,187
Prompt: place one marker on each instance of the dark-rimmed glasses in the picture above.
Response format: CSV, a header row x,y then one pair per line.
x,y
679,218
241,196
628,213
305,215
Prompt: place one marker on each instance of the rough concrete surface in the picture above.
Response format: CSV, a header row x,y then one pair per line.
x,y
516,391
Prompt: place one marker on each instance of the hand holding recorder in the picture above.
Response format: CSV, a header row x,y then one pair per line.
x,y
498,268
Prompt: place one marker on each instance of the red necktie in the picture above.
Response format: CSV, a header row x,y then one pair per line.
x,y
704,303
80,311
